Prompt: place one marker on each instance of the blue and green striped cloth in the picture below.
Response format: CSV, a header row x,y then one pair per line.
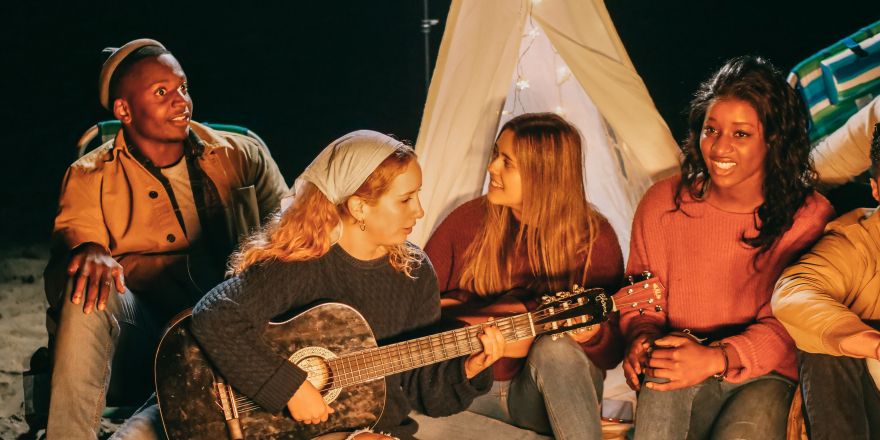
x,y
840,79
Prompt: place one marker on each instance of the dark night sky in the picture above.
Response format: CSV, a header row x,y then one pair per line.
x,y
302,73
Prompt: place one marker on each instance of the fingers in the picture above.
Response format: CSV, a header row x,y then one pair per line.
x,y
75,263
76,295
91,294
668,386
671,341
104,291
320,415
632,378
119,279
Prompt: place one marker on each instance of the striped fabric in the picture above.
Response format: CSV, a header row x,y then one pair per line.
x,y
840,79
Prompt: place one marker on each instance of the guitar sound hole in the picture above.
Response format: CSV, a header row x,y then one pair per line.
x,y
313,360
319,372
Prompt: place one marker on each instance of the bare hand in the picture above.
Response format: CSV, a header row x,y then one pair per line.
x,y
95,272
307,405
636,359
683,361
493,349
503,306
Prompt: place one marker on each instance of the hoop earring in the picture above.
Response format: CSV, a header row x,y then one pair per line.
x,y
362,225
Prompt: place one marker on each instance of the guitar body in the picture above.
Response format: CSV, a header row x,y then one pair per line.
x,y
190,400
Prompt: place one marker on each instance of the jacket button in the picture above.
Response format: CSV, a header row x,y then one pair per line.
x,y
170,238
153,194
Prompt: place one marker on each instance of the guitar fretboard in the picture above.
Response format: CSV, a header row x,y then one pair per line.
x,y
403,356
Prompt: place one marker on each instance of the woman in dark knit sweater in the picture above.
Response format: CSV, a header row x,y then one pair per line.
x,y
342,240
533,234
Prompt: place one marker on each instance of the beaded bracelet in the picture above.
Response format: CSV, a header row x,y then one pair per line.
x,y
723,374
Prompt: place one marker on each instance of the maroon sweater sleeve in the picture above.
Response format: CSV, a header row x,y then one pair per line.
x,y
605,349
449,243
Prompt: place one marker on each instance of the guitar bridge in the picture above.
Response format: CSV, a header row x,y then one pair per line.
x,y
230,409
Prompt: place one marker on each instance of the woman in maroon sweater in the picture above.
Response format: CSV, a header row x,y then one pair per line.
x,y
717,237
533,234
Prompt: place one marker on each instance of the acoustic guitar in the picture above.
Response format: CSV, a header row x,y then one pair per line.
x,y
334,344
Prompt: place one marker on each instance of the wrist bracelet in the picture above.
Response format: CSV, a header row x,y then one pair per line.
x,y
723,374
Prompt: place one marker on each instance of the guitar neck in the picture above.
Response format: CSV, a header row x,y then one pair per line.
x,y
379,362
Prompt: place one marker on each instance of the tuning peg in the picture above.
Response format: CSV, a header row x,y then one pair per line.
x,y
546,299
657,308
647,274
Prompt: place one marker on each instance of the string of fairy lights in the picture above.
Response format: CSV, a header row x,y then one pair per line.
x,y
522,83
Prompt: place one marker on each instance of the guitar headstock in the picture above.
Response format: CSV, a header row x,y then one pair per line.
x,y
569,311
644,294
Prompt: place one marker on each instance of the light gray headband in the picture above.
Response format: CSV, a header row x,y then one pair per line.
x,y
345,164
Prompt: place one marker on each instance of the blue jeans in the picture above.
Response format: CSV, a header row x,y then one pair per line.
x,y
840,397
85,354
755,409
556,393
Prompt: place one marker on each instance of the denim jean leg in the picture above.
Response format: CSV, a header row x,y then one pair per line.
x,y
84,350
665,415
838,395
558,391
494,403
145,424
756,410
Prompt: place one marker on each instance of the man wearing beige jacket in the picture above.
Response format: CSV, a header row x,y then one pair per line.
x,y
829,302
144,227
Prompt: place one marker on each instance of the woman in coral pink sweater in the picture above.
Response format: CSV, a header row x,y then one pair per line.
x,y
709,359
533,234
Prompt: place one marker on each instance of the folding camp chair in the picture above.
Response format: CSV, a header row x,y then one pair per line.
x,y
106,130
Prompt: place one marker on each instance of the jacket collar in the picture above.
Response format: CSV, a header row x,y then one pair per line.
x,y
202,141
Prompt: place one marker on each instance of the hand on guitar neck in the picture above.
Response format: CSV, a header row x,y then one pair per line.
x,y
505,305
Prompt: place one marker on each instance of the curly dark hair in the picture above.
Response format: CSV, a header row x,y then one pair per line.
x,y
875,152
789,175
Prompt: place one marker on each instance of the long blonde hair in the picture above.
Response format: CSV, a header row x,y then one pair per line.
x,y
558,226
304,231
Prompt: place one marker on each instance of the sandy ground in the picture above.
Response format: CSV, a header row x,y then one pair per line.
x,y
22,328
23,331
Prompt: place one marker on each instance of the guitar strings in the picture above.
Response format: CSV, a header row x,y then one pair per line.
x,y
429,350
245,404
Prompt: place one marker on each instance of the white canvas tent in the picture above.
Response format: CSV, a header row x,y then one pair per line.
x,y
501,58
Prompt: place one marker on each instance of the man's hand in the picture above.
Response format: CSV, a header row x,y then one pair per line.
x,y
636,358
493,349
683,361
95,271
307,405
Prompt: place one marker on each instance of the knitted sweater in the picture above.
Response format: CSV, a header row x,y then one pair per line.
x,y
713,287
447,248
230,320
